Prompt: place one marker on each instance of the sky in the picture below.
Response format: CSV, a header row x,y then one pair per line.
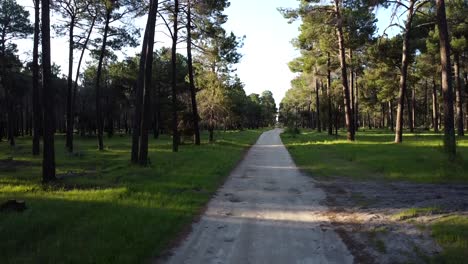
x,y
267,47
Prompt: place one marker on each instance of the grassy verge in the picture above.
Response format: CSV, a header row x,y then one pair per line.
x,y
374,156
104,210
452,234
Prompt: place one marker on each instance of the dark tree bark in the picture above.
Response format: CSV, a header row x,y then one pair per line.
x,y
193,93
426,104
138,116
330,118
344,73
75,88
71,46
37,112
459,95
99,120
404,74
175,132
447,90
48,162
435,107
146,122
317,103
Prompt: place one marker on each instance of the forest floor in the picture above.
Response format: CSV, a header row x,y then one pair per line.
x,y
104,210
390,203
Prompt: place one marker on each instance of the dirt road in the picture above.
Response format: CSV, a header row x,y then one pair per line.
x,y
267,212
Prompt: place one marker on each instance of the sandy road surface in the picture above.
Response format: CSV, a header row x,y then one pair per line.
x,y
267,212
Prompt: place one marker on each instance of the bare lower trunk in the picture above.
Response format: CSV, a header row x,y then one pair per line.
x,y
447,91
344,75
37,112
193,93
145,125
175,133
330,118
69,134
48,161
435,107
317,103
100,122
459,96
403,74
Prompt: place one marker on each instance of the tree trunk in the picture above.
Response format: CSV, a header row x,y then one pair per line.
x,y
330,118
356,106
426,105
459,96
146,122
37,116
138,115
71,44
193,94
403,74
447,90
390,115
100,122
48,162
175,132
317,103
75,88
344,75
435,107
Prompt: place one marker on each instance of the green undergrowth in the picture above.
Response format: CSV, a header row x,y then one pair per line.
x,y
420,158
103,209
452,234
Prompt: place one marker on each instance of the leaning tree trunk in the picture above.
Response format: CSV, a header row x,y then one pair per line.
x,y
136,133
459,96
146,122
403,74
71,46
48,161
344,75
175,132
99,121
83,50
447,92
37,116
193,93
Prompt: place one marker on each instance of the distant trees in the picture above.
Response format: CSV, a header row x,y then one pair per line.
x,y
416,58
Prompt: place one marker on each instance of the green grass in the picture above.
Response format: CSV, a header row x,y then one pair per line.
x,y
452,234
374,156
416,212
106,210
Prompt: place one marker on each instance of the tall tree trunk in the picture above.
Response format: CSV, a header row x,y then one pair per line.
x,y
459,95
344,74
175,132
356,105
435,107
146,122
426,105
37,112
351,84
71,45
193,94
409,100
138,116
404,74
48,162
330,118
99,120
391,116
75,88
317,103
447,91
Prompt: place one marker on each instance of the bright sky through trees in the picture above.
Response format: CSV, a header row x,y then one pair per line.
x,y
266,52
